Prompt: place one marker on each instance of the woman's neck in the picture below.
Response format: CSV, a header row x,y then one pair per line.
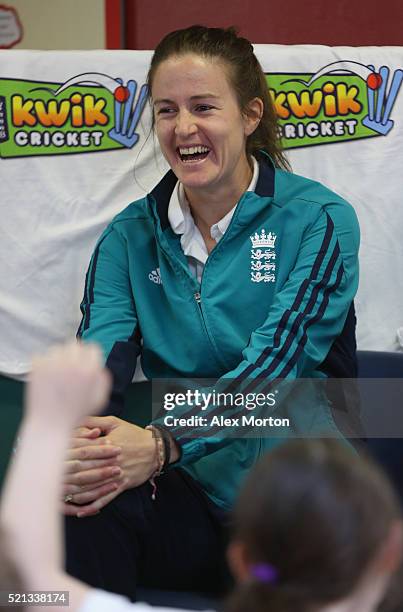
x,y
208,206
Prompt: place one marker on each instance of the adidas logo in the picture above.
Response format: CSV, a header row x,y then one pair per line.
x,y
155,276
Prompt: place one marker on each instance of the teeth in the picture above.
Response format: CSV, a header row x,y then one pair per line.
x,y
193,150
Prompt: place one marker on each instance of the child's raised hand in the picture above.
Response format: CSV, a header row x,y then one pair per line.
x,y
68,382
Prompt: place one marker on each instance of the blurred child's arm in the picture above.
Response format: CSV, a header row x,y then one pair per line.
x,y
67,384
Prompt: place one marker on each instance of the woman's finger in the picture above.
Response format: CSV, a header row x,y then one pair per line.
x,y
100,503
72,489
88,477
77,442
96,451
71,509
87,432
72,467
81,497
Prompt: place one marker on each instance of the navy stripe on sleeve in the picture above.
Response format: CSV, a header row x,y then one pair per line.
x,y
330,289
89,291
322,284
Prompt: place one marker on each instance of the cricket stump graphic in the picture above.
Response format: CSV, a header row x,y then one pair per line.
x,y
127,113
380,101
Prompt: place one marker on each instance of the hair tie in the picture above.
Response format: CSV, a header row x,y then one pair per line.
x,y
264,572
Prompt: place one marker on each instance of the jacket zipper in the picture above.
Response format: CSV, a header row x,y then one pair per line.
x,y
197,297
197,294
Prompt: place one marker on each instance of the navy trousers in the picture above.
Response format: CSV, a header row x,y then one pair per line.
x,y
175,542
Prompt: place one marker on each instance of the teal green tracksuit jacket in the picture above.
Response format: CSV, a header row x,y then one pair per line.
x,y
275,301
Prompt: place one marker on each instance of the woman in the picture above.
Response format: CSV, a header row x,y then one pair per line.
x,y
317,529
231,268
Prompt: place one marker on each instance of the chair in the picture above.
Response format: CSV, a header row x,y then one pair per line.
x,y
382,409
379,364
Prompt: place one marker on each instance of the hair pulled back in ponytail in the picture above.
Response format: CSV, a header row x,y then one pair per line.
x,y
244,72
317,514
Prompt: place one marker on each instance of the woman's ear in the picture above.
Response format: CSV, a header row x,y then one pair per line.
x,y
237,561
253,115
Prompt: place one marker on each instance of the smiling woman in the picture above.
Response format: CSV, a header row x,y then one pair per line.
x,y
201,129
232,268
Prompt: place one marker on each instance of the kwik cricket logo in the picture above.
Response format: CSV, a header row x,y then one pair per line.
x,y
342,101
89,112
94,112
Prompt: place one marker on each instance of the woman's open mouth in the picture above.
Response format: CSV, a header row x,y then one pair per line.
x,y
193,154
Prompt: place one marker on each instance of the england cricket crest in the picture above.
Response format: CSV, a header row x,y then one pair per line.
x,y
263,257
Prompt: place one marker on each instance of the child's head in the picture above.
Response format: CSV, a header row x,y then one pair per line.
x,y
312,521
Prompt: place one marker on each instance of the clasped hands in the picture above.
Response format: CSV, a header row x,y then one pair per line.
x,y
107,456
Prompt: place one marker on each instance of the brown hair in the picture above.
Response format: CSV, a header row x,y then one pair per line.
x,y
317,515
245,74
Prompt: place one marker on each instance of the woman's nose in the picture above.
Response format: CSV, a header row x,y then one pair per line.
x,y
185,123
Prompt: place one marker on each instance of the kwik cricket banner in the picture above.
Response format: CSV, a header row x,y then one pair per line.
x,y
39,118
330,107
76,147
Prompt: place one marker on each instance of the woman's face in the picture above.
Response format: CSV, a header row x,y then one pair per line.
x,y
199,125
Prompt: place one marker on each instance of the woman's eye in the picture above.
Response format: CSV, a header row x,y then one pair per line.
x,y
165,110
204,107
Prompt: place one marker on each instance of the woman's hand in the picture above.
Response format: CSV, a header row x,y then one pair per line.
x,y
100,468
88,479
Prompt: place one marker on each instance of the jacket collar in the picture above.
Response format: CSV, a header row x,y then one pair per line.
x,y
265,182
162,194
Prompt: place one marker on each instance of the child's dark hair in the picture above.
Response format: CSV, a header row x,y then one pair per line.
x,y
244,71
315,515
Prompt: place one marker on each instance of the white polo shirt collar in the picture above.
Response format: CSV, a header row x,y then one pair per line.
x,y
181,220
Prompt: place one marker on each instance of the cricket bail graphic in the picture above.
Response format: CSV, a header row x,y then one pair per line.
x,y
88,112
344,100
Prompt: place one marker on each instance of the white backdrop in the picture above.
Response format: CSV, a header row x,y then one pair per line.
x,y
53,207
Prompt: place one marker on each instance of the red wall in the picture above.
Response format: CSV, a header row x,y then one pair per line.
x,y
327,22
